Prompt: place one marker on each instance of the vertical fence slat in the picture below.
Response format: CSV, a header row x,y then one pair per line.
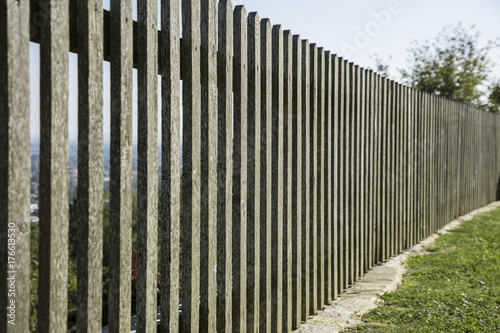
x,y
320,177
90,166
208,219
287,180
377,168
277,180
360,177
239,275
171,161
53,241
346,204
253,174
390,169
296,167
147,166
313,119
327,192
369,141
266,175
224,167
305,180
385,217
341,174
120,167
335,172
191,166
15,162
352,174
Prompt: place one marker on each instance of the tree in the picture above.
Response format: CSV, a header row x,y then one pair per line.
x,y
494,98
381,66
453,65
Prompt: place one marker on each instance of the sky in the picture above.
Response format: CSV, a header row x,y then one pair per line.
x,y
355,30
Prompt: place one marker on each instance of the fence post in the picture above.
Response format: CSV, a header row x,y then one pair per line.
x,y
171,161
287,177
253,173
335,172
277,180
90,167
266,175
297,167
147,182
224,167
53,241
320,176
15,164
305,179
191,165
120,221
240,144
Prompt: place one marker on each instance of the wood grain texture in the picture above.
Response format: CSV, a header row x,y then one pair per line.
x,y
305,179
54,155
265,174
277,180
240,143
191,166
224,167
147,167
120,294
171,161
296,171
14,163
90,166
253,173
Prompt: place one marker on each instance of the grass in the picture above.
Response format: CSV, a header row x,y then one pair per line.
x,y
454,288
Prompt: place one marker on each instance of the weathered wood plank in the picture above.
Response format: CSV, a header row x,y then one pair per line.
x,y
305,179
120,168
239,275
266,174
224,167
208,220
346,204
171,161
191,166
320,176
296,170
53,241
253,174
384,167
328,191
90,166
277,181
335,172
341,198
14,165
360,170
391,167
352,174
147,168
313,119
287,180
368,169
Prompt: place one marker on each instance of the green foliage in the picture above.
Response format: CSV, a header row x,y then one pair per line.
x,y
381,66
455,288
453,65
494,98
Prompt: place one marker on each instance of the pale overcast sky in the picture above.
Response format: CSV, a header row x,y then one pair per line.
x,y
388,28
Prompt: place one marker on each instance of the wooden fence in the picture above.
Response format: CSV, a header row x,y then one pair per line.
x,y
300,170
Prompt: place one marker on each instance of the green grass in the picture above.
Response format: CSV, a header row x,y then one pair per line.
x,y
455,288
